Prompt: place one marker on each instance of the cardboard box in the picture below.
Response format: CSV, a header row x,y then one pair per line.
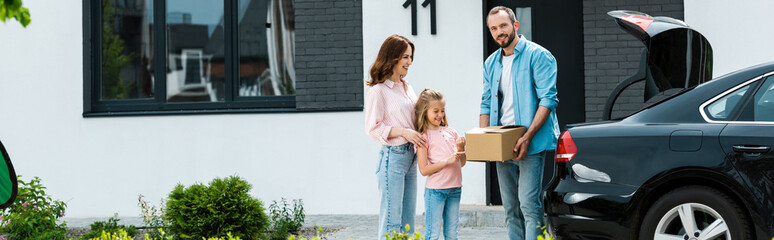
x,y
493,143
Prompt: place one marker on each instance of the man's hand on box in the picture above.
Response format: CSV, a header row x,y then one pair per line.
x,y
522,145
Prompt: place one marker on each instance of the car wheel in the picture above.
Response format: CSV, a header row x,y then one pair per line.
x,y
695,212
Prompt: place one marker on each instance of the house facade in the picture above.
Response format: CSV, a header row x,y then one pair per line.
x,y
109,99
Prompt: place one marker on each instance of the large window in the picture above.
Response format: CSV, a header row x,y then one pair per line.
x,y
172,56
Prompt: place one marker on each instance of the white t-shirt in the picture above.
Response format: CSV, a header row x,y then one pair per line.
x,y
506,87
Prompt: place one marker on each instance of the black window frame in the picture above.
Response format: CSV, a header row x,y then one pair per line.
x,y
93,106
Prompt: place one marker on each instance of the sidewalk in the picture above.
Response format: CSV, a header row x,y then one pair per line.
x,y
476,223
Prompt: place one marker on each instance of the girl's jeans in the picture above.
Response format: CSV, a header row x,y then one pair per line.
x,y
397,181
442,206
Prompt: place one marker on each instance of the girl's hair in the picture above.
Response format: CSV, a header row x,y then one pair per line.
x,y
389,55
426,97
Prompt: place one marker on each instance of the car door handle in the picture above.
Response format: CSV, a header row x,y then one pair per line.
x,y
751,149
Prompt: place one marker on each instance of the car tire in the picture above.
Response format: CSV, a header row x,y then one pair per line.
x,y
705,206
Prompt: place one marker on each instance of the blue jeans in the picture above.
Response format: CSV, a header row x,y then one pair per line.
x,y
397,180
442,206
520,186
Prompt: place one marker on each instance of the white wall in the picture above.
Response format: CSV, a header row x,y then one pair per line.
x,y
740,32
100,165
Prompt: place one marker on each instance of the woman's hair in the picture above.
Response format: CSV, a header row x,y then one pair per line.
x,y
426,97
389,55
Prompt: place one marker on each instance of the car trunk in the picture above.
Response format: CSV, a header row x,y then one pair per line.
x,y
675,55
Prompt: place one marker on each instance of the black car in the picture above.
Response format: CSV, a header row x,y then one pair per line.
x,y
695,165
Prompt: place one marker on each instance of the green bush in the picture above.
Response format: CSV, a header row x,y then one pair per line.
x,y
394,235
98,228
122,235
285,220
33,215
224,206
152,216
316,237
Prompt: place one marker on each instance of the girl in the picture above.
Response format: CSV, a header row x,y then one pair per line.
x,y
389,120
441,160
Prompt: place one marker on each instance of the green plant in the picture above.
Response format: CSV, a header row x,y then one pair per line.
x,y
118,235
223,206
33,215
284,220
316,237
152,216
109,226
547,236
162,235
404,235
122,235
13,9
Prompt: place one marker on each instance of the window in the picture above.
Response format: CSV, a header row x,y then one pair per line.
x,y
763,110
172,56
723,108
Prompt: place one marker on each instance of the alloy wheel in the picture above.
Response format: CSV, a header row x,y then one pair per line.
x,y
692,221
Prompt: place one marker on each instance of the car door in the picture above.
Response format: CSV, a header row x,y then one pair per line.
x,y
748,141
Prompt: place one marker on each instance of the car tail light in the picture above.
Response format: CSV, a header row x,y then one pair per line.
x,y
565,148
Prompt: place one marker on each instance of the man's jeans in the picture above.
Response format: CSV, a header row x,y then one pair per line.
x,y
397,180
442,206
520,187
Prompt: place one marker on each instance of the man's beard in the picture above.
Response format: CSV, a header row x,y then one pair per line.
x,y
509,41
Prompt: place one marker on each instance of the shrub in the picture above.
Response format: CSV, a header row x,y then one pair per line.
x,y
206,211
122,235
110,226
316,237
33,215
152,216
404,235
547,236
285,220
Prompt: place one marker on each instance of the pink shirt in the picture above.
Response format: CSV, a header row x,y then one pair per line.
x,y
440,146
389,105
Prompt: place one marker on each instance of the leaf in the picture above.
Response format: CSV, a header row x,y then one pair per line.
x,y
24,17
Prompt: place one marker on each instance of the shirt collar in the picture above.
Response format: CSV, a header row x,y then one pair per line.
x,y
520,45
518,49
391,84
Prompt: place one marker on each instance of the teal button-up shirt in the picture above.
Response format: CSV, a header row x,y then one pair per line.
x,y
534,84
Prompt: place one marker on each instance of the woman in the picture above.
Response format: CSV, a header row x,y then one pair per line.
x,y
389,121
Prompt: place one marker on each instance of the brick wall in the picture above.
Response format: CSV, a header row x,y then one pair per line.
x,y
612,55
329,54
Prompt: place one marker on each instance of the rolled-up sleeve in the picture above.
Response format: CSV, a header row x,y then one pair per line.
x,y
487,94
374,117
545,80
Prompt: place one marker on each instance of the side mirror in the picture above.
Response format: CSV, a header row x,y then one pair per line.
x,y
8,184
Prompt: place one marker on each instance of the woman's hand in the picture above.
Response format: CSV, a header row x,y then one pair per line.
x,y
414,137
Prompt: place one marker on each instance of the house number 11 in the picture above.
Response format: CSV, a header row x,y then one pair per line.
x,y
413,4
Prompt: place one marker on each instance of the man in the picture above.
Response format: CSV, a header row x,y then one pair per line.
x,y
520,88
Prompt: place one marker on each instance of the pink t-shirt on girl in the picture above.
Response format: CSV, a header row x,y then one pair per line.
x,y
441,144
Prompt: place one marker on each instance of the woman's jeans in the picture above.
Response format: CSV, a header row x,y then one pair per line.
x,y
520,186
397,180
442,206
